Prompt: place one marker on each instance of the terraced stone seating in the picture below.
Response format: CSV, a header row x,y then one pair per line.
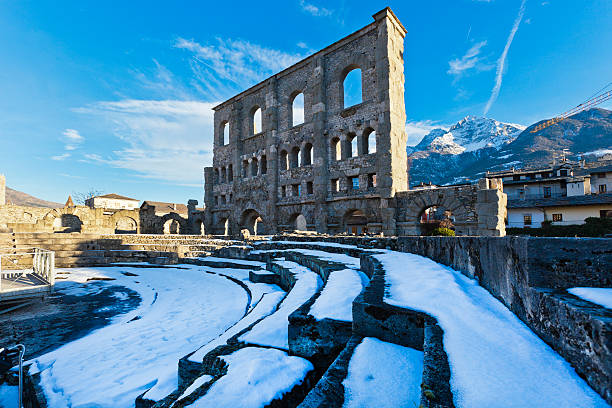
x,y
368,327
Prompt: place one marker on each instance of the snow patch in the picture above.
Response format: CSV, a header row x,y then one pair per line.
x,y
599,296
336,299
382,374
254,378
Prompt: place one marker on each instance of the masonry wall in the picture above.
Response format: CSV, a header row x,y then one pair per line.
x,y
270,192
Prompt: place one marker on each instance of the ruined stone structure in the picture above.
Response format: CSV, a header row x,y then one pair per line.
x,y
2,189
344,169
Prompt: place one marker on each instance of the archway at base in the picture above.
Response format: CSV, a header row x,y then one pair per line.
x,y
433,217
125,225
199,228
252,221
67,223
172,226
355,222
298,222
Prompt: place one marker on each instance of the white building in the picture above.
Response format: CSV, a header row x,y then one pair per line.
x,y
564,194
112,202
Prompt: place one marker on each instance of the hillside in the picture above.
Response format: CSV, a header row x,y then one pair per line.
x,y
476,145
21,198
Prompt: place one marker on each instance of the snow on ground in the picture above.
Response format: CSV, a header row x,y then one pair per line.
x,y
382,374
265,307
273,330
180,310
254,378
349,261
600,296
234,261
336,299
257,289
495,359
9,396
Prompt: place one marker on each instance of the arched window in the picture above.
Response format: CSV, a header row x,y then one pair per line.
x,y
352,88
284,160
257,120
351,142
307,161
224,133
297,109
369,139
335,149
295,157
245,168
223,175
254,169
263,164
230,173
216,178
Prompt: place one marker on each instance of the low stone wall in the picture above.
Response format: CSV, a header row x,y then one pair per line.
x,y
530,275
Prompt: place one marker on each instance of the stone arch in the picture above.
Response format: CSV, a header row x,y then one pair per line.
x,y
369,141
351,89
253,221
441,200
298,222
67,223
172,223
284,160
294,160
263,165
199,227
254,167
355,222
126,225
351,146
224,133
297,108
307,155
335,148
256,120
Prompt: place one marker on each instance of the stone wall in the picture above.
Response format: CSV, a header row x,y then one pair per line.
x,y
240,188
2,189
15,218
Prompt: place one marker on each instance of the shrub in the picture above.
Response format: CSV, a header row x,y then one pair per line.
x,y
441,231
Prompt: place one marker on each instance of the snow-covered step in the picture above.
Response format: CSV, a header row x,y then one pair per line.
x,y
492,355
255,377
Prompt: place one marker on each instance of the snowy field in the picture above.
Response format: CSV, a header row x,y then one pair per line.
x,y
181,309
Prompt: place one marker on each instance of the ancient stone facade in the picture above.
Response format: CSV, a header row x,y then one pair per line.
x,y
345,167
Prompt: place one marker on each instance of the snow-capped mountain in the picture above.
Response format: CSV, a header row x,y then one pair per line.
x,y
469,134
473,146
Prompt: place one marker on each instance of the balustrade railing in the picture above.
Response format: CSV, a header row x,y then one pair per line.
x,y
15,263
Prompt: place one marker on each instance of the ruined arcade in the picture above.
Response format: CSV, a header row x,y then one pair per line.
x,y
344,167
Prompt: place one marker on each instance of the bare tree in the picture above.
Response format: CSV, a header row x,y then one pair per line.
x,y
81,197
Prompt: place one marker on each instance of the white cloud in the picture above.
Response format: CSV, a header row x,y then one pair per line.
x,y
416,130
501,63
72,135
470,60
314,10
60,157
230,66
168,140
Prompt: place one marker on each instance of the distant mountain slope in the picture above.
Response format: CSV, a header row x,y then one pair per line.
x,y
20,198
481,144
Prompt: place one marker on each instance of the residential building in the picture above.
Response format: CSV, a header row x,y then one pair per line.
x,y
112,202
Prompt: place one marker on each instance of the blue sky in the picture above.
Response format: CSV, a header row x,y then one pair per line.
x,y
116,95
